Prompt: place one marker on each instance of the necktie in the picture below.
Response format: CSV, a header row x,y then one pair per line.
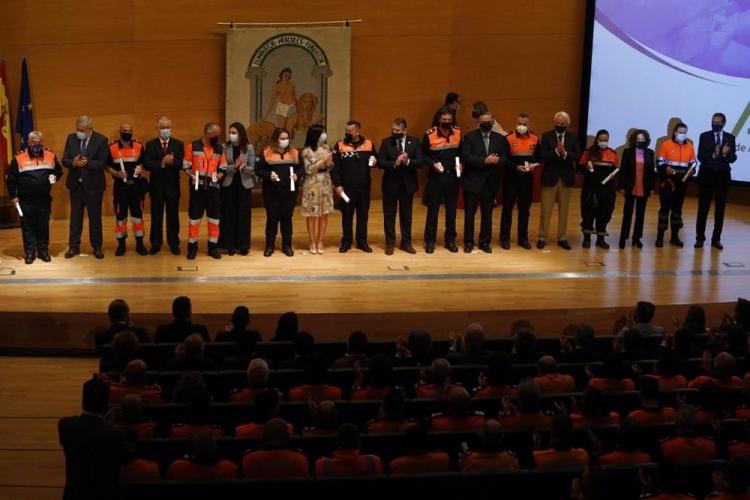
x,y
559,138
83,147
717,142
486,143
164,147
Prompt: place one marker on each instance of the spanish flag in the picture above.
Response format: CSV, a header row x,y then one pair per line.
x,y
6,139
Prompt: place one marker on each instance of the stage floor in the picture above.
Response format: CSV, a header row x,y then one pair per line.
x,y
345,290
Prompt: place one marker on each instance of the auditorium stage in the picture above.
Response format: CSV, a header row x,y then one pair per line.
x,y
53,306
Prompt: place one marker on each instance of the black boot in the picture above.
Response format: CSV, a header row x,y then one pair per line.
x,y
120,247
601,243
140,248
586,240
213,251
192,250
675,239
659,239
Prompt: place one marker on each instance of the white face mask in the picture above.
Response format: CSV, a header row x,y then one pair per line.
x,y
284,143
680,137
234,138
165,133
522,129
80,135
323,138
603,144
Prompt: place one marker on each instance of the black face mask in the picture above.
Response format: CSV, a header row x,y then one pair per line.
x,y
397,135
214,141
560,130
126,136
36,150
485,127
716,127
640,144
445,125
348,137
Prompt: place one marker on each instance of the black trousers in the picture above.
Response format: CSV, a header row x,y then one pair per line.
x,y
234,230
128,199
279,210
397,199
80,199
161,198
712,186
597,205
639,203
671,199
35,224
484,200
518,188
359,203
448,192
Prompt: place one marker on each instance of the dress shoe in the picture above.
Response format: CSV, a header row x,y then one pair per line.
x,y
540,244
586,241
121,248
345,247
98,253
365,248
72,252
288,251
321,248
451,247
389,249
429,249
192,251
468,247
676,241
406,247
564,245
175,250
621,244
698,244
717,245
485,248
244,252
140,248
44,256
505,245
29,259
231,252
602,243
214,253
525,245
154,250
637,243
268,252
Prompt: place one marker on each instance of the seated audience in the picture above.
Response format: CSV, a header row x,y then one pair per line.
x,y
266,404
416,350
695,320
652,411
723,373
583,349
420,458
257,381
380,379
628,451
735,484
188,386
347,459
275,460
139,470
498,382
119,320
550,381
527,414
524,348
489,455
287,328
124,350
614,376
687,447
203,464
632,346
304,349
467,349
315,388
712,403
356,351
594,411
182,326
131,417
439,382
458,415
391,415
561,453
325,418
642,317
741,447
134,381
667,372
684,344
198,419
189,355
237,331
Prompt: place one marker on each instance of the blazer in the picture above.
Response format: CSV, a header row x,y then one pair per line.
x,y
248,175
394,176
555,167
706,153
476,173
169,175
627,170
94,451
91,177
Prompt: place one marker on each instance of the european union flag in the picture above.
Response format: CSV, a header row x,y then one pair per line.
x,y
24,117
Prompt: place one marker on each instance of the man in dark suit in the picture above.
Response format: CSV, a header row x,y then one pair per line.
x,y
86,154
163,159
559,150
94,448
119,320
400,156
716,153
182,326
484,154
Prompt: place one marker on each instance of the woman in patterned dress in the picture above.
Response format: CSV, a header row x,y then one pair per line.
x,y
317,189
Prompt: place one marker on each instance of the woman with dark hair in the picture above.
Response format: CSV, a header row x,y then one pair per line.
x,y
636,181
236,191
287,328
480,108
317,189
597,163
280,167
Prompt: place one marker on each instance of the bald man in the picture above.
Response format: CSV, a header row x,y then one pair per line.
x,y
126,168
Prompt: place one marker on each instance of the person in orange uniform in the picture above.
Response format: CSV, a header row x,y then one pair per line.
x,y
674,161
29,179
518,182
203,464
458,415
598,163
489,456
441,146
562,453
281,168
629,437
686,447
205,164
126,168
275,460
550,381
347,460
420,459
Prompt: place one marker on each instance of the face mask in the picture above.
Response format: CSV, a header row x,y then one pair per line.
x,y
234,138
445,125
560,129
397,135
716,127
214,141
680,137
485,126
640,144
126,136
36,149
284,143
323,138
522,129
348,137
80,135
602,144
165,133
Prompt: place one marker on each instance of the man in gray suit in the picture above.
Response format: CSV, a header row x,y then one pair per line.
x,y
85,156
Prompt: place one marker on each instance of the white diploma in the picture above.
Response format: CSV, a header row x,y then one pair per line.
x,y
345,197
291,178
689,173
458,167
52,178
196,180
609,177
371,162
18,208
